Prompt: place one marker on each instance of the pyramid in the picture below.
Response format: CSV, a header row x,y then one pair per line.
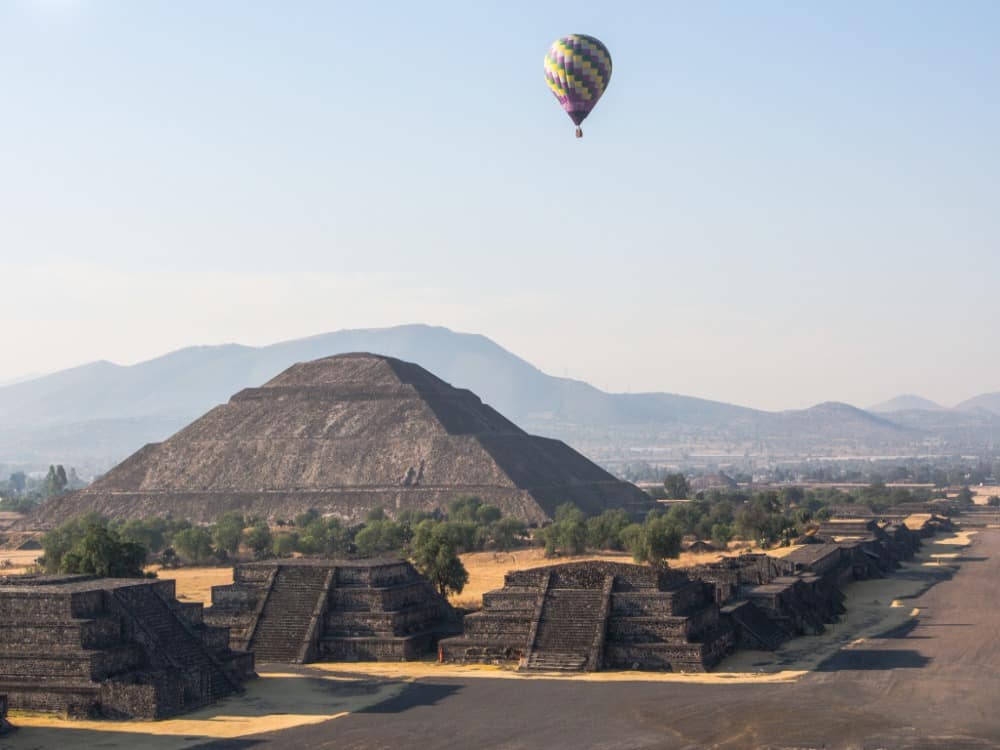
x,y
345,435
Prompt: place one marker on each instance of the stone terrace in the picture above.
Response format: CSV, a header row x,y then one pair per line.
x,y
590,615
297,611
117,647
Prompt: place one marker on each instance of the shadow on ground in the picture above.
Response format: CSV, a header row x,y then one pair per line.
x,y
416,694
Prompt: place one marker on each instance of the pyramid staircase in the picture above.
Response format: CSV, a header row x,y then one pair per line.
x,y
173,638
286,628
569,629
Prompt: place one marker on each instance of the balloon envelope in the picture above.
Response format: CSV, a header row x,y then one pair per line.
x,y
577,69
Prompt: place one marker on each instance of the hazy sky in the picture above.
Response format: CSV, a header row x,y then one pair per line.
x,y
776,203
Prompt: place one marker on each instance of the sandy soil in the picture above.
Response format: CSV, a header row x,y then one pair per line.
x,y
195,584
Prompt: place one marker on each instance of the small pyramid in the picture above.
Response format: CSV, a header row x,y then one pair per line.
x,y
345,435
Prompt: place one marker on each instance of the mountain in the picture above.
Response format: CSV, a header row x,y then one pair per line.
x,y
906,402
987,402
94,415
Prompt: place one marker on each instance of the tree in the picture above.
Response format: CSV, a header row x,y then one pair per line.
x,y
195,544
258,538
993,501
55,481
58,542
505,533
604,531
656,540
568,532
285,544
304,519
227,533
18,482
323,537
676,486
150,533
964,496
382,537
100,552
435,556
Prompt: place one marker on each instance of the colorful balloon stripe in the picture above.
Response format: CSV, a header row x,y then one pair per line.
x,y
577,70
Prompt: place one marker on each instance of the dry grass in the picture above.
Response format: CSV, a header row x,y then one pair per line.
x,y
195,584
19,561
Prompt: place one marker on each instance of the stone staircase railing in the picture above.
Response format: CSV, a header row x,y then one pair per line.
x,y
597,647
535,619
311,643
259,608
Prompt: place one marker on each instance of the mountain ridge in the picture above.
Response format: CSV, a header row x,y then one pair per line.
x,y
100,412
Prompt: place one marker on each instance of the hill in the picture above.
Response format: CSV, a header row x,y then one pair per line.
x,y
987,402
906,402
94,415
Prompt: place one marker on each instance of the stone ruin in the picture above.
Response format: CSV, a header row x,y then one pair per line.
x,y
302,610
346,435
584,616
593,615
123,648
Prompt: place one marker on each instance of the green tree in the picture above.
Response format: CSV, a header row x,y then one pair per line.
x,y
285,544
55,481
382,537
676,486
656,540
195,544
58,542
722,533
435,556
604,531
993,501
259,539
568,532
227,533
965,496
506,533
100,552
304,519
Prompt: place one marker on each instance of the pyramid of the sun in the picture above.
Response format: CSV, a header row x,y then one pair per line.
x,y
345,435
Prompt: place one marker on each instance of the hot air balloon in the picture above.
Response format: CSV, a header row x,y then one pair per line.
x,y
577,69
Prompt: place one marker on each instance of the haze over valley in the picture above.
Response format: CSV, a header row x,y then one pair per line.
x,y
94,415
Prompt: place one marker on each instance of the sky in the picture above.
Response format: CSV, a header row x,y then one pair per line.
x,y
775,203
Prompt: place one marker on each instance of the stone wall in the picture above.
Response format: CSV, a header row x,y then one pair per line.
x,y
114,647
371,610
650,619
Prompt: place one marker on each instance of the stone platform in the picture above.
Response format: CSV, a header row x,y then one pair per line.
x,y
593,615
302,610
124,648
